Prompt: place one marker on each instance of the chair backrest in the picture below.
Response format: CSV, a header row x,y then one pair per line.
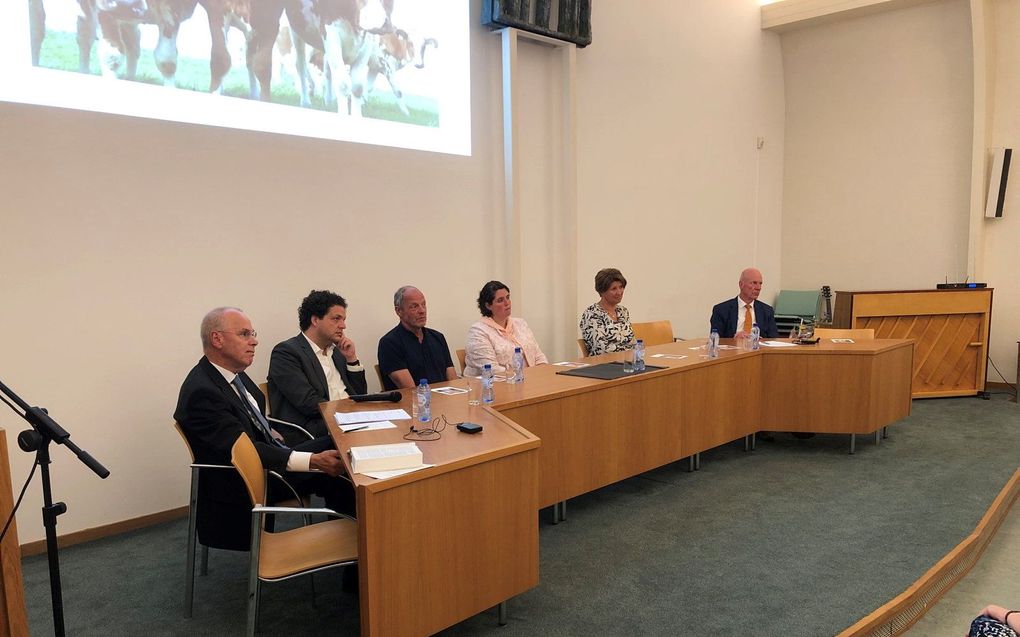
x,y
654,332
378,373
803,303
187,444
583,346
264,388
461,356
830,332
245,459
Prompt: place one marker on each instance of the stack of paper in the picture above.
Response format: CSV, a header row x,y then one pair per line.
x,y
403,455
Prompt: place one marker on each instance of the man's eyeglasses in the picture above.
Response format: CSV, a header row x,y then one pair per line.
x,y
246,334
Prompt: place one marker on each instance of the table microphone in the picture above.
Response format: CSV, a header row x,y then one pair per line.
x,y
386,396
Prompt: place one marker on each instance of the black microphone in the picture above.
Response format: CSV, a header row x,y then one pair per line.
x,y
386,396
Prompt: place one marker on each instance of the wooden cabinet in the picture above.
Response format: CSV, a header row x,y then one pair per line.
x,y
949,329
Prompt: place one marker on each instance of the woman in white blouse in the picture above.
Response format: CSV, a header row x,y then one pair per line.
x,y
493,339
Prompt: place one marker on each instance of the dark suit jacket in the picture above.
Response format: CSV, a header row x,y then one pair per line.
x,y
724,319
297,383
212,416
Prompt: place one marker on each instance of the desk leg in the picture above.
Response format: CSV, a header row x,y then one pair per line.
x,y
559,512
878,436
853,443
697,461
501,612
885,432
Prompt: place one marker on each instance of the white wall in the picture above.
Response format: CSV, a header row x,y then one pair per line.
x,y
1001,263
878,145
674,191
879,126
118,234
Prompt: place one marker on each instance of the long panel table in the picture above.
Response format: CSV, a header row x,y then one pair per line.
x,y
468,526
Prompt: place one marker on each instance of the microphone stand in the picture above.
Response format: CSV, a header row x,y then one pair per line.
x,y
44,431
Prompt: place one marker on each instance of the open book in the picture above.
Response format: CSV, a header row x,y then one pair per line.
x,y
402,455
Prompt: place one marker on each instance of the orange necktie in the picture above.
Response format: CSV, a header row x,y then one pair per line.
x,y
747,318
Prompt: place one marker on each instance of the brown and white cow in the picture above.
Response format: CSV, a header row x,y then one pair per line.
x,y
313,22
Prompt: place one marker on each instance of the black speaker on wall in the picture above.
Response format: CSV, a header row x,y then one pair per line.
x,y
997,183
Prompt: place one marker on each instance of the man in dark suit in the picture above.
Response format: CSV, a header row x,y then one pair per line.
x,y
218,403
736,316
317,365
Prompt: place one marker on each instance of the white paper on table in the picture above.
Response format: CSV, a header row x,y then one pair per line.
x,y
778,344
842,340
450,391
367,426
675,357
570,364
370,416
382,475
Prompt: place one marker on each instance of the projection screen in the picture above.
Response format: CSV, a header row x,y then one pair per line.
x,y
386,72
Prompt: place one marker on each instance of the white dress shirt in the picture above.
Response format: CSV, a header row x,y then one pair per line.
x,y
741,311
337,391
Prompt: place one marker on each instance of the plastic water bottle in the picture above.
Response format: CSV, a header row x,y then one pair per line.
x,y
755,337
713,344
639,356
424,400
488,394
517,367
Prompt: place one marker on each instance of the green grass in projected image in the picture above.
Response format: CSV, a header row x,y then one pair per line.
x,y
60,52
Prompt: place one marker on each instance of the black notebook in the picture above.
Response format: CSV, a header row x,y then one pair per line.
x,y
606,371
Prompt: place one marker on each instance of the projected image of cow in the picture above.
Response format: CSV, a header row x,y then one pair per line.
x,y
377,59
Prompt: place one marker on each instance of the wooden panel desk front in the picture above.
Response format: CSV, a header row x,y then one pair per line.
x,y
442,544
595,432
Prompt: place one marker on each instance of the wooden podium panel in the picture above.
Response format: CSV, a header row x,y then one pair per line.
x,y
596,437
442,544
837,388
950,329
13,620
721,402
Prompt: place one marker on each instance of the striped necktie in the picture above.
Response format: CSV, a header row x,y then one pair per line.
x,y
255,415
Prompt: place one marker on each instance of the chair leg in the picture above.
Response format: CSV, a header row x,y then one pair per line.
x,y
253,575
501,613
203,568
189,576
853,445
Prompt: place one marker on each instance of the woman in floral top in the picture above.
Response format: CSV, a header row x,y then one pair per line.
x,y
605,325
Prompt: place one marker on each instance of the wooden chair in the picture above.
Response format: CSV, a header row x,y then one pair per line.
x,y
286,554
461,357
830,332
654,332
264,388
378,373
196,470
583,346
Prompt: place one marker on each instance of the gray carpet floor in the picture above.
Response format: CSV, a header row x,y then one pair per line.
x,y
796,538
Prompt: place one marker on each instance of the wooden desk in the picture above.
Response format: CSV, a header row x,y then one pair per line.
x,y
13,619
950,328
445,543
593,433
